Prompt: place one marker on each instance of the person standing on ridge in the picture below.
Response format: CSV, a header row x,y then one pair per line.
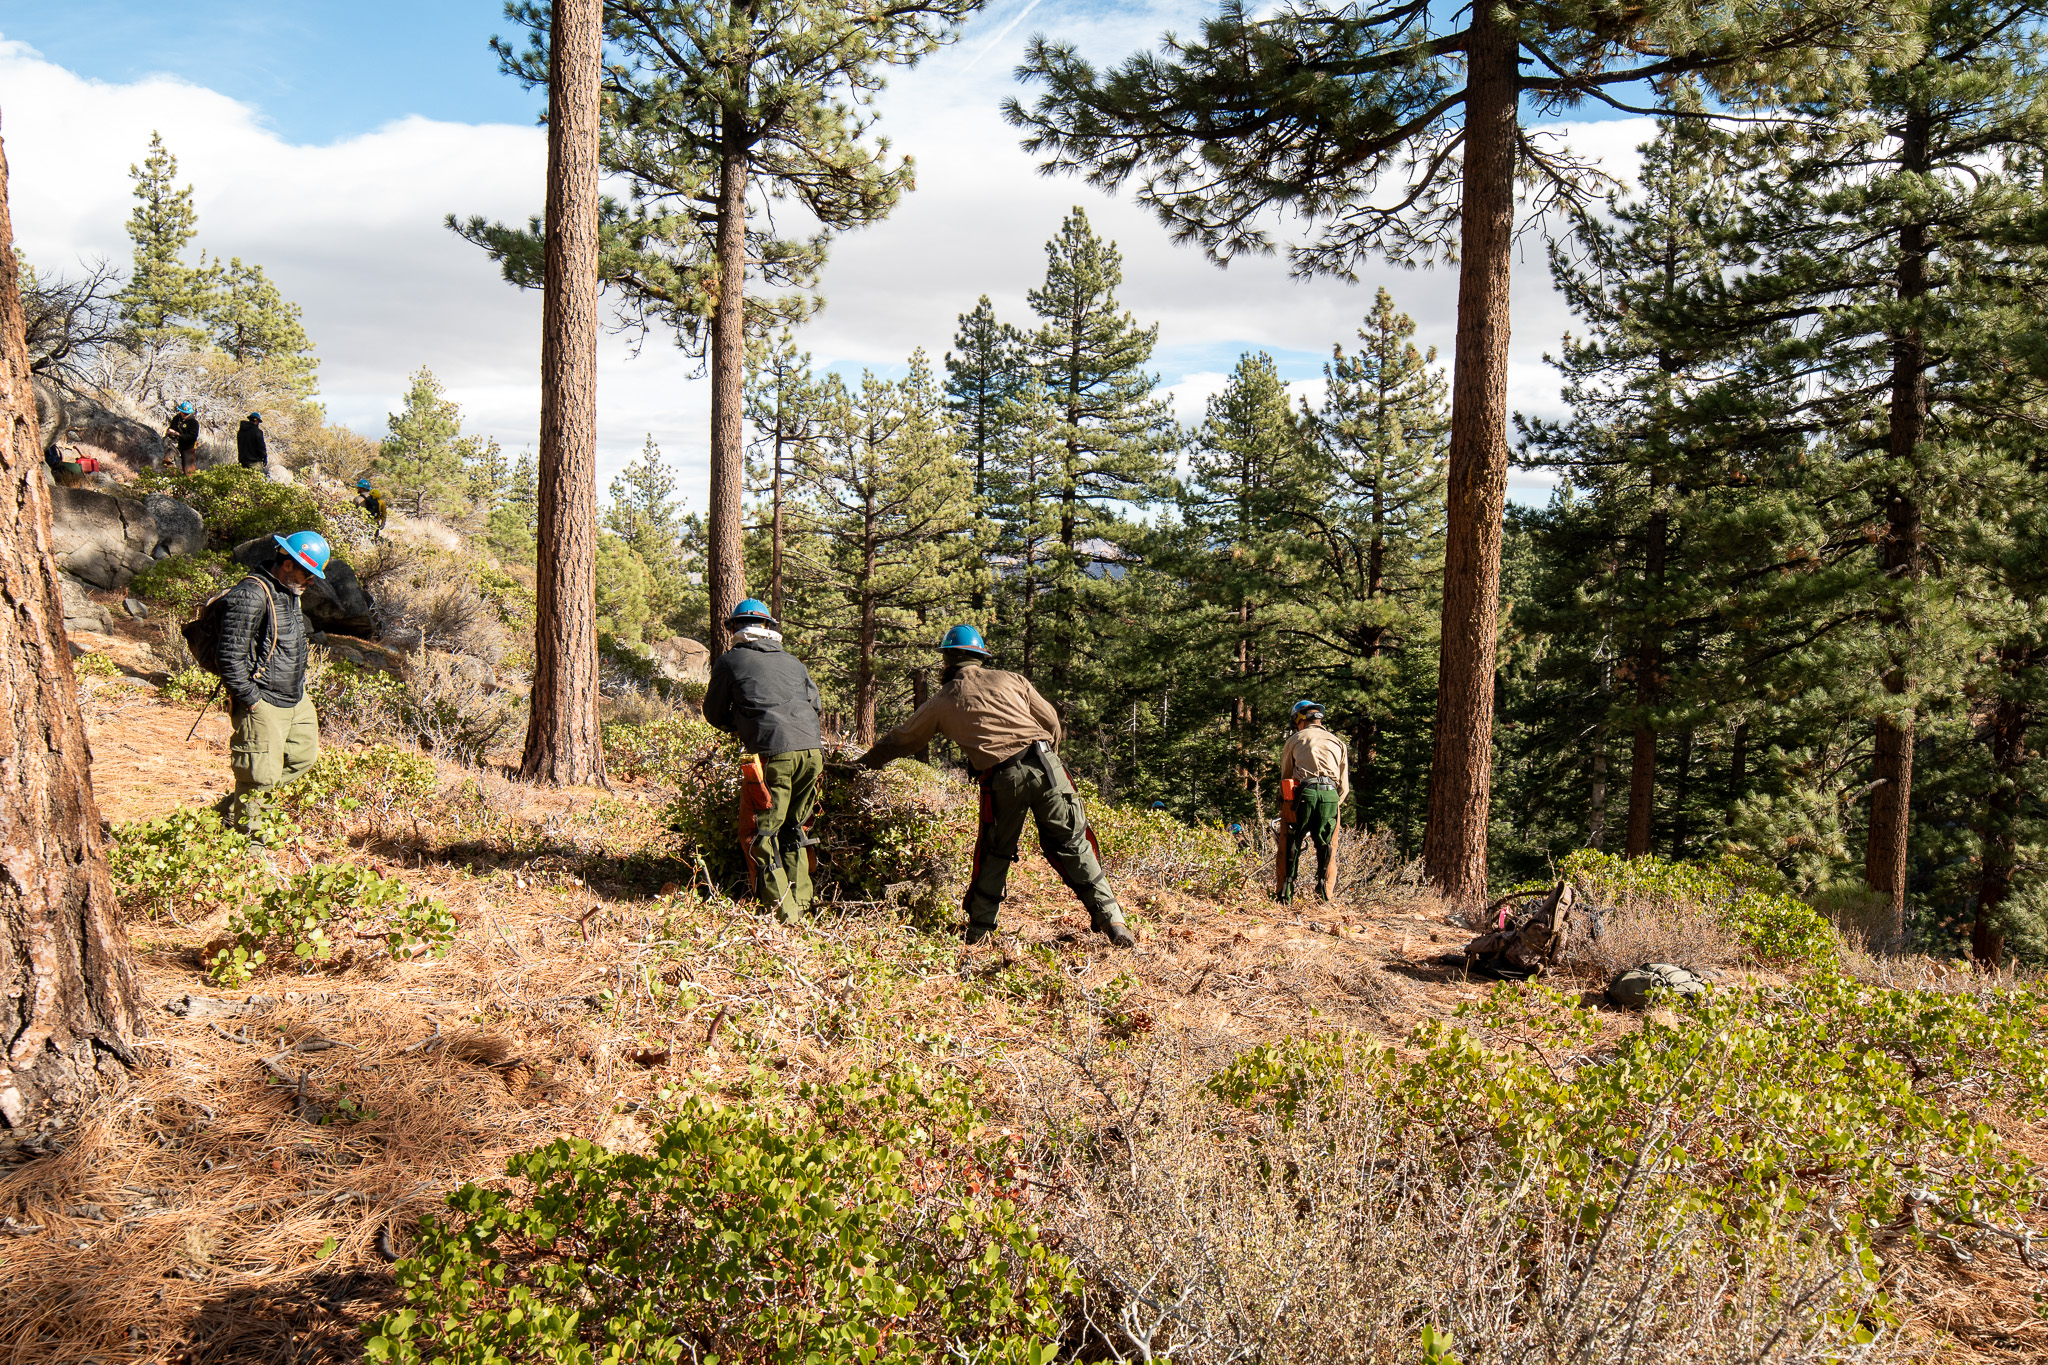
x,y
1011,736
251,449
263,647
765,697
183,433
373,505
1318,764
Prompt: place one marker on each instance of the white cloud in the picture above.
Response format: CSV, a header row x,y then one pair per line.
x,y
352,232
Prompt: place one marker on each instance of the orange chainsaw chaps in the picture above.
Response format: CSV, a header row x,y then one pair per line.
x,y
754,799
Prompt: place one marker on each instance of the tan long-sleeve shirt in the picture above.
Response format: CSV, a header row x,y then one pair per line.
x,y
990,714
1316,754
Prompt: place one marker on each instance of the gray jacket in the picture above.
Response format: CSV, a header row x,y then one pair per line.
x,y
249,667
765,697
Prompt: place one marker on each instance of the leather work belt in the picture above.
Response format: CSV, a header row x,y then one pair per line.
x,y
1315,784
1012,761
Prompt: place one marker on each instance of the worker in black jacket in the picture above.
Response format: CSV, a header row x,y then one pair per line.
x,y
183,430
264,643
767,698
251,449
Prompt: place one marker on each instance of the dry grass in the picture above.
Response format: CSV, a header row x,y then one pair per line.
x,y
1643,930
1219,1235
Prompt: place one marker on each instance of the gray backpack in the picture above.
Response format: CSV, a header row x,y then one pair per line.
x,y
1631,989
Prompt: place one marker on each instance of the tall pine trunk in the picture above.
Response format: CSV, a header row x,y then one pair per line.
x,y
1461,767
1642,775
1998,839
563,742
70,1003
728,570
1884,859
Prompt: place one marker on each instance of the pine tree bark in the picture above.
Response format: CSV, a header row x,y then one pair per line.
x,y
1899,552
1461,767
1642,776
728,570
1997,835
70,1009
563,742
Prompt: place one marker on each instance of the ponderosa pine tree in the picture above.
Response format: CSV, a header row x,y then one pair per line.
x,y
711,112
1383,428
888,536
1246,509
986,374
1884,230
255,324
509,529
419,462
165,299
1394,131
645,515
783,408
1111,437
71,1007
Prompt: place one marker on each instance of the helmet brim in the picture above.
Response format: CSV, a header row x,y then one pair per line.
x,y
308,565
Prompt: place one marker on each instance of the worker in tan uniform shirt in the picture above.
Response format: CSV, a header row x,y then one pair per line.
x,y
1319,764
1010,735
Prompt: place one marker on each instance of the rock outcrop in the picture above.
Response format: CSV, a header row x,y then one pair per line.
x,y
338,605
106,540
81,613
682,659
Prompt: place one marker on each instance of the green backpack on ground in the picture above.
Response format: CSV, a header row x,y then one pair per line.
x,y
1631,989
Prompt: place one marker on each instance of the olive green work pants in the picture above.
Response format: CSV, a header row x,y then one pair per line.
x,y
1315,818
781,852
272,745
1008,795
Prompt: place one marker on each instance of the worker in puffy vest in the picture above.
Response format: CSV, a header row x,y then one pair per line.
x,y
264,642
1318,764
1010,735
764,696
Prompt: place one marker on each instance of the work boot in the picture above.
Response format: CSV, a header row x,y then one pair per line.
x,y
975,933
1113,926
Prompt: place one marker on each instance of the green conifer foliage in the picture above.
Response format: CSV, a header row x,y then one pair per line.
x,y
510,526
985,373
1111,437
711,112
165,298
1383,429
648,520
251,321
1394,131
889,539
783,407
419,463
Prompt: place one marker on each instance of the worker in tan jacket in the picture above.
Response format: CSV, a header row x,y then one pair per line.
x,y
1318,765
1010,735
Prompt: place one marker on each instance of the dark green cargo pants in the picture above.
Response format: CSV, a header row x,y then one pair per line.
x,y
1315,818
273,745
782,855
1008,795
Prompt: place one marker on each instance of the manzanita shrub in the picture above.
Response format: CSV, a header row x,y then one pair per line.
x,y
1775,925
304,917
868,1222
184,865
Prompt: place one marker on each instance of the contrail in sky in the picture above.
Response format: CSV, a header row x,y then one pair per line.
x,y
1000,36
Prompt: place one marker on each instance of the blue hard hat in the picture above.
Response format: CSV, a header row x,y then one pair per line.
x,y
184,407
1158,805
751,612
1305,705
308,550
255,416
363,484
965,637
1237,829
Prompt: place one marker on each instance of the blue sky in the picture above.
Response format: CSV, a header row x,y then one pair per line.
x,y
326,141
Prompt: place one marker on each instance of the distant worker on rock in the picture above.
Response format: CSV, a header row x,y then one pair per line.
x,y
1011,736
263,648
373,505
765,697
183,433
1317,764
251,449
